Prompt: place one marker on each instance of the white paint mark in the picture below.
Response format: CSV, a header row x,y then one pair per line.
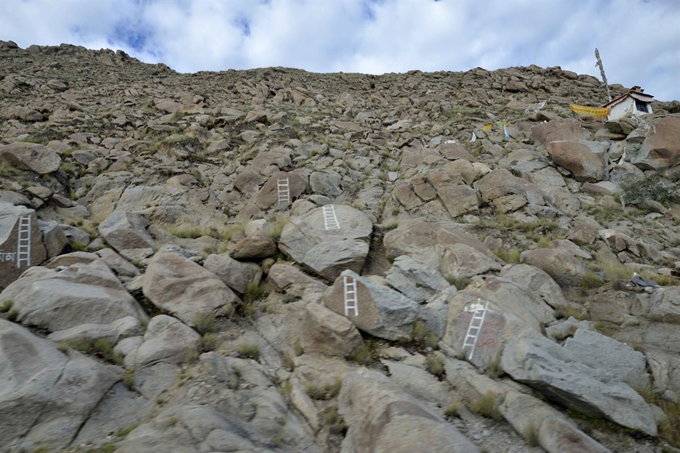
x,y
475,327
283,187
351,300
24,241
330,220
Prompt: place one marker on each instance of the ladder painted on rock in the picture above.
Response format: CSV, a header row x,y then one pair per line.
x,y
24,241
351,301
475,328
283,188
330,220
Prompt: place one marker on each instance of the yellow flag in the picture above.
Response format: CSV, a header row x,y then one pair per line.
x,y
595,112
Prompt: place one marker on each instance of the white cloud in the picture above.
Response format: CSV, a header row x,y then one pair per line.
x,y
639,39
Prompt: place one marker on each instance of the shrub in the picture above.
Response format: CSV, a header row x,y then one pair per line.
x,y
486,406
205,324
334,422
13,315
453,410
208,342
6,306
459,283
435,364
636,190
591,281
366,353
509,256
423,336
129,379
325,391
248,351
531,435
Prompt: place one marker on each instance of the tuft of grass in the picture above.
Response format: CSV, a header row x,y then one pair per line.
x,y
567,312
205,324
365,354
13,315
637,191
435,365
423,336
278,224
486,406
127,430
333,421
129,379
248,351
326,391
6,305
208,342
453,410
494,369
509,256
531,435
591,281
254,292
459,283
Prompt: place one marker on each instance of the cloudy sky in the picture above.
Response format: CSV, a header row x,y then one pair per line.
x,y
639,40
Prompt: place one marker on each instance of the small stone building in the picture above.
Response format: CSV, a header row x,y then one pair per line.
x,y
635,102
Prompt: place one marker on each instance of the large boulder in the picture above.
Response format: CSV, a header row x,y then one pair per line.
x,y
602,352
580,160
66,297
383,418
126,230
426,242
512,311
31,156
323,246
562,377
16,256
565,268
268,196
166,340
185,289
328,332
414,280
45,395
661,147
235,274
380,310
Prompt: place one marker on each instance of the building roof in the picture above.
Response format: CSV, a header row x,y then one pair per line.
x,y
636,93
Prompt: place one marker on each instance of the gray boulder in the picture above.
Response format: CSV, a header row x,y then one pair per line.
x,y
329,333
126,230
16,257
45,395
601,352
380,310
565,268
166,340
31,156
561,377
63,298
185,289
414,280
383,418
326,247
235,274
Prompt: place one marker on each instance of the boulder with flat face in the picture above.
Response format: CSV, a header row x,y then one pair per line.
x,y
21,243
185,289
584,164
126,230
31,156
46,395
661,148
328,240
379,310
83,292
383,418
562,377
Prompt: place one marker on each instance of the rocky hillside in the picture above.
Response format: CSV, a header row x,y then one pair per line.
x,y
274,260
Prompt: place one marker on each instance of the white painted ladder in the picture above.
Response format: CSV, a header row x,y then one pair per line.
x,y
351,301
24,241
330,220
283,187
475,328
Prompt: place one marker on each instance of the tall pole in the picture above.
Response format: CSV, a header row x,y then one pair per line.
x,y
604,77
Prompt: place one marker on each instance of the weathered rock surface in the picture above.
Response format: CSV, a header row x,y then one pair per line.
x,y
80,293
185,289
380,310
16,257
383,418
328,252
126,230
560,376
46,395
31,156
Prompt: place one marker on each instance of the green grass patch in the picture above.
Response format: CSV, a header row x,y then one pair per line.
x,y
248,351
326,391
486,406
